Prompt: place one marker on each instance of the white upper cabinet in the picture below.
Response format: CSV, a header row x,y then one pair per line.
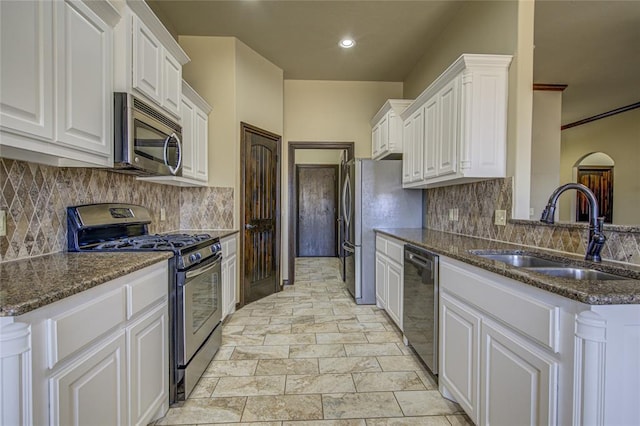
x,y
413,135
465,124
56,82
148,59
195,128
386,133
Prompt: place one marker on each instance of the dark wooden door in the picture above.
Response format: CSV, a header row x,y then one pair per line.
x,y
317,189
600,181
261,213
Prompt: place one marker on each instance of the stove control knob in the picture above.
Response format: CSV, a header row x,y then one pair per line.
x,y
193,258
198,255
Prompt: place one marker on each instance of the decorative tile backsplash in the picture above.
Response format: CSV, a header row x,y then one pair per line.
x,y
36,196
477,203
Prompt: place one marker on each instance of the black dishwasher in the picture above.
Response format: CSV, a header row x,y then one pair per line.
x,y
420,304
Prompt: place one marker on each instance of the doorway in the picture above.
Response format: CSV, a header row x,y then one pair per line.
x,y
317,199
600,181
260,213
293,201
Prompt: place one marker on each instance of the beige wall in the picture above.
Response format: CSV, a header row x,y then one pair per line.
x,y
619,137
329,111
496,27
240,85
317,156
545,148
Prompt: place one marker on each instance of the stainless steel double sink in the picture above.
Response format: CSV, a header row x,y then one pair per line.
x,y
545,266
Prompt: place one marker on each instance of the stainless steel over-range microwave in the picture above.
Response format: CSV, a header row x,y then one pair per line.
x,y
147,141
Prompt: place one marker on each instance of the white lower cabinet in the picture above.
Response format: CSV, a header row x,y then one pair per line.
x,y
101,356
459,362
389,276
519,381
229,274
500,352
91,390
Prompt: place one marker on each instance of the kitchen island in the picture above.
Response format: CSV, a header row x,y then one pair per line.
x,y
560,351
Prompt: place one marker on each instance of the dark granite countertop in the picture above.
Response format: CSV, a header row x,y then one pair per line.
x,y
28,284
593,292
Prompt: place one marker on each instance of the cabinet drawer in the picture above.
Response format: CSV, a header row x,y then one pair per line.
x,y
73,329
229,246
534,318
395,251
145,289
381,244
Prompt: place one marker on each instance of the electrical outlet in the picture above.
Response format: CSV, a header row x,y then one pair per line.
x,y
453,215
532,211
501,217
3,223
163,214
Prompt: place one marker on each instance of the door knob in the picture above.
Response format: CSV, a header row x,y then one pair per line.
x,y
249,226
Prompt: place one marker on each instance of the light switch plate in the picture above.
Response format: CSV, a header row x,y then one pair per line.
x,y
501,217
3,223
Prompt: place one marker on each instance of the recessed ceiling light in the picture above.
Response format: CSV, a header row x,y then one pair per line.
x,y
347,43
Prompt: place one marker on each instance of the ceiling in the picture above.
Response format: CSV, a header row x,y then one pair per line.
x,y
592,46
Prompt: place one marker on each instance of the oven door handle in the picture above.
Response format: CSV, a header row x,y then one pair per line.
x,y
199,271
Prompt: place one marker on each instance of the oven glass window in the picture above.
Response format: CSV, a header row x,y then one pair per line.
x,y
150,144
204,298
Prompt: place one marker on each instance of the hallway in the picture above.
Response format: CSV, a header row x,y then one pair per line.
x,y
310,356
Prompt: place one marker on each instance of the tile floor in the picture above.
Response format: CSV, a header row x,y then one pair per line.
x,y
310,356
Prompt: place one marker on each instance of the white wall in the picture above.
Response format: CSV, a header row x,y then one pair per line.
x,y
617,136
329,111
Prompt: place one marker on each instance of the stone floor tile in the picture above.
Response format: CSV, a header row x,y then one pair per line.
x,y
460,420
427,379
242,340
425,403
348,365
223,353
282,407
260,352
314,328
316,351
361,326
249,386
290,339
325,338
387,381
262,329
410,421
360,405
232,329
349,422
305,319
205,410
204,387
236,320
383,337
287,366
357,310
312,311
231,368
335,319
242,424
319,383
372,349
378,317
399,363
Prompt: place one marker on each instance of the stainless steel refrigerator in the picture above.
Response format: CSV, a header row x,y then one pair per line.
x,y
372,197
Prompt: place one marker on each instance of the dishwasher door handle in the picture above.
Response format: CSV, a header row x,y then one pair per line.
x,y
420,261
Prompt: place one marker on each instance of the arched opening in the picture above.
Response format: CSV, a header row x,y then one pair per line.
x,y
595,171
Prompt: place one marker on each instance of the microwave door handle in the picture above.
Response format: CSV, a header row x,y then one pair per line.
x,y
173,170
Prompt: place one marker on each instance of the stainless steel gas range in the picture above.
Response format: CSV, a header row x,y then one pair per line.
x,y
195,299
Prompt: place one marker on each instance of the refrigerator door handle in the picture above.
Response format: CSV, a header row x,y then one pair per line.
x,y
346,197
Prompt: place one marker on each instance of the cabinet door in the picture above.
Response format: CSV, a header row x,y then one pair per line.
x,y
202,146
148,366
147,62
431,137
92,388
383,144
459,353
84,88
232,275
26,67
518,381
407,150
394,288
171,83
375,141
449,105
381,281
417,157
189,156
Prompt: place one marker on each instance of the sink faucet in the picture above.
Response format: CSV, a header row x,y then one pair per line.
x,y
596,236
